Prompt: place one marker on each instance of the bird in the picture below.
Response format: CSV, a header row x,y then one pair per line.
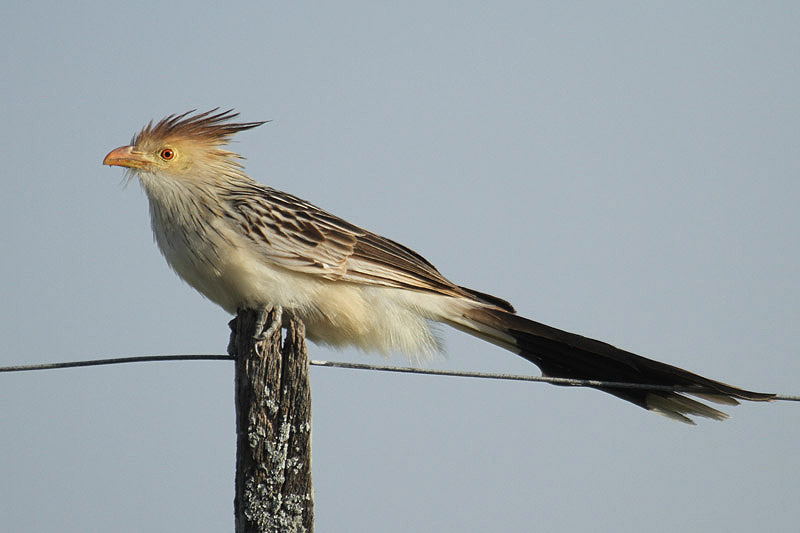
x,y
244,245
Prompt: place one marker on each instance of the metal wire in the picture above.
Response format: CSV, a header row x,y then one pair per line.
x,y
379,368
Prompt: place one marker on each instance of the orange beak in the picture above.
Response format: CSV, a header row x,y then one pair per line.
x,y
126,156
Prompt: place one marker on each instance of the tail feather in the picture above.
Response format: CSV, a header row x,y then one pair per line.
x,y
567,355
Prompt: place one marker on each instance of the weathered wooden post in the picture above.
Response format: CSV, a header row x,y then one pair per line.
x,y
273,426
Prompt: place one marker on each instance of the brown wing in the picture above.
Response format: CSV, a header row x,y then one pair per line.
x,y
302,237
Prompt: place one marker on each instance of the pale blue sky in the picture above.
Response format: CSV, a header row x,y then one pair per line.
x,y
627,171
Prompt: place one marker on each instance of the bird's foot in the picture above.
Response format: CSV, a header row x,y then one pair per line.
x,y
261,321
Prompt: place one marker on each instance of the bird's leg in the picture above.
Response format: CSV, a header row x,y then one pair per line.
x,y
261,321
277,322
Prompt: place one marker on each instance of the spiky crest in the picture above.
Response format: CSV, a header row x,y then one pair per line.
x,y
211,128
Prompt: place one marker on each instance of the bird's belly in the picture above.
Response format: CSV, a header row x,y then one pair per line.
x,y
339,313
335,313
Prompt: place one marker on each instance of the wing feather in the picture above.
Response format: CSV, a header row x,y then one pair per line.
x,y
299,236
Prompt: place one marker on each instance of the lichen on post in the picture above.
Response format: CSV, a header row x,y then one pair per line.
x,y
273,425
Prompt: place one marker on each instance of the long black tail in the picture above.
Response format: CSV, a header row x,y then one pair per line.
x,y
567,355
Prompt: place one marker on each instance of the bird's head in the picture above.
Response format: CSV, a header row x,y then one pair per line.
x,y
183,147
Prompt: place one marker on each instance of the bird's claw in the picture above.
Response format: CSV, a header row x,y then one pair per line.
x,y
261,321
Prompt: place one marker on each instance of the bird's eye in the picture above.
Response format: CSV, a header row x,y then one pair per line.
x,y
167,154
